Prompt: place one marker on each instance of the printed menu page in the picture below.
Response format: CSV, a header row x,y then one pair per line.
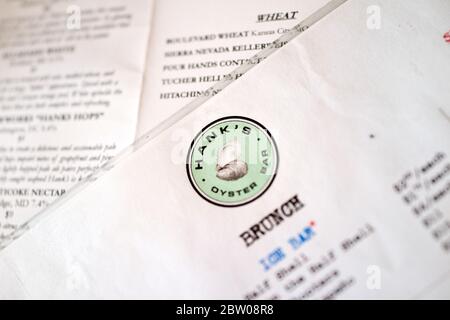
x,y
322,173
196,43
69,96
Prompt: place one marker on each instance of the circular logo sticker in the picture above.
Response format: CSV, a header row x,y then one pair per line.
x,y
232,161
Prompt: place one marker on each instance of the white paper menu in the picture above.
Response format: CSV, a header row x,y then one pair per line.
x,y
356,204
69,95
196,43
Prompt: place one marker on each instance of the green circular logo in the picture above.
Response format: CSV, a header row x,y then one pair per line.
x,y
232,161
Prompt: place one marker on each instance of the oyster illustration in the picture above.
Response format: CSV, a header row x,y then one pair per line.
x,y
229,167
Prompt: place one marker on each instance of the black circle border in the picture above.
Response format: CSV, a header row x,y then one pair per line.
x,y
188,160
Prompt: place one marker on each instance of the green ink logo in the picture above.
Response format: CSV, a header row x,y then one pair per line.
x,y
232,161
